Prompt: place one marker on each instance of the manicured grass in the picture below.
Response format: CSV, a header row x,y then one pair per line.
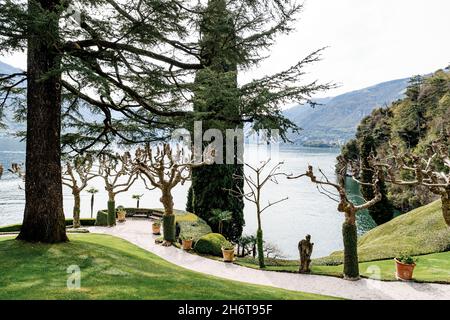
x,y
112,268
16,227
421,231
271,264
430,268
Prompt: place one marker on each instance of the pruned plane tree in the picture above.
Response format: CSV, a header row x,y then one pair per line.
x,y
118,176
349,208
432,171
77,172
166,166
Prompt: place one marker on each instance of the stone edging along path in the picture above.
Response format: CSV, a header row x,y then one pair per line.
x,y
138,232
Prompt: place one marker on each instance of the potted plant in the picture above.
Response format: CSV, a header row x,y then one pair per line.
x,y
121,214
228,251
186,242
156,227
404,267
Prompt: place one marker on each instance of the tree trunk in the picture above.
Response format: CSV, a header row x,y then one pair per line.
x,y
43,216
137,203
221,59
259,242
167,202
446,208
350,237
111,213
169,230
76,210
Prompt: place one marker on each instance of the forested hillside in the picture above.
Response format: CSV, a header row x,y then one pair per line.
x,y
410,123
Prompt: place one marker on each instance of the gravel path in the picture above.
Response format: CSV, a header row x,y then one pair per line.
x,y
138,232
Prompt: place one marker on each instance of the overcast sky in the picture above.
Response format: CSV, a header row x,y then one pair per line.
x,y
370,41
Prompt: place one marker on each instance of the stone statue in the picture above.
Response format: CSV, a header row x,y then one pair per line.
x,y
305,248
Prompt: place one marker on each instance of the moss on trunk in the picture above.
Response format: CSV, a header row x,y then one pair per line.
x,y
350,236
260,245
169,233
111,213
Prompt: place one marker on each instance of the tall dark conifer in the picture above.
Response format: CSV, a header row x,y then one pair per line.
x,y
217,92
43,217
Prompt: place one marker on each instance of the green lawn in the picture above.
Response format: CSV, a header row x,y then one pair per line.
x,y
112,268
430,268
418,232
85,222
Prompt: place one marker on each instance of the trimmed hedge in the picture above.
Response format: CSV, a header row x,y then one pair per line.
x,y
210,244
86,222
102,218
141,211
102,215
11,228
191,225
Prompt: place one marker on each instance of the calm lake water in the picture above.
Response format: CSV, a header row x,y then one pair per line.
x,y
305,212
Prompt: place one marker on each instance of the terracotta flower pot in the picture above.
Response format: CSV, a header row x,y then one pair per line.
x,y
186,244
156,228
121,216
228,255
404,271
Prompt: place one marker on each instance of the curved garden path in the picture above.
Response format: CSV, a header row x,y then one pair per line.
x,y
138,232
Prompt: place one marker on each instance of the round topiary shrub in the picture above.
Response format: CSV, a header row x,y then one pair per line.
x,y
210,243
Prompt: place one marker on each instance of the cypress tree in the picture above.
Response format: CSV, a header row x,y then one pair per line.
x,y
218,92
224,51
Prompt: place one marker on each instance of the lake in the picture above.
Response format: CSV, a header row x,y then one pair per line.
x,y
305,212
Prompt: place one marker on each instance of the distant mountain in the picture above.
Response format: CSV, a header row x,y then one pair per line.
x,y
7,69
7,140
335,120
